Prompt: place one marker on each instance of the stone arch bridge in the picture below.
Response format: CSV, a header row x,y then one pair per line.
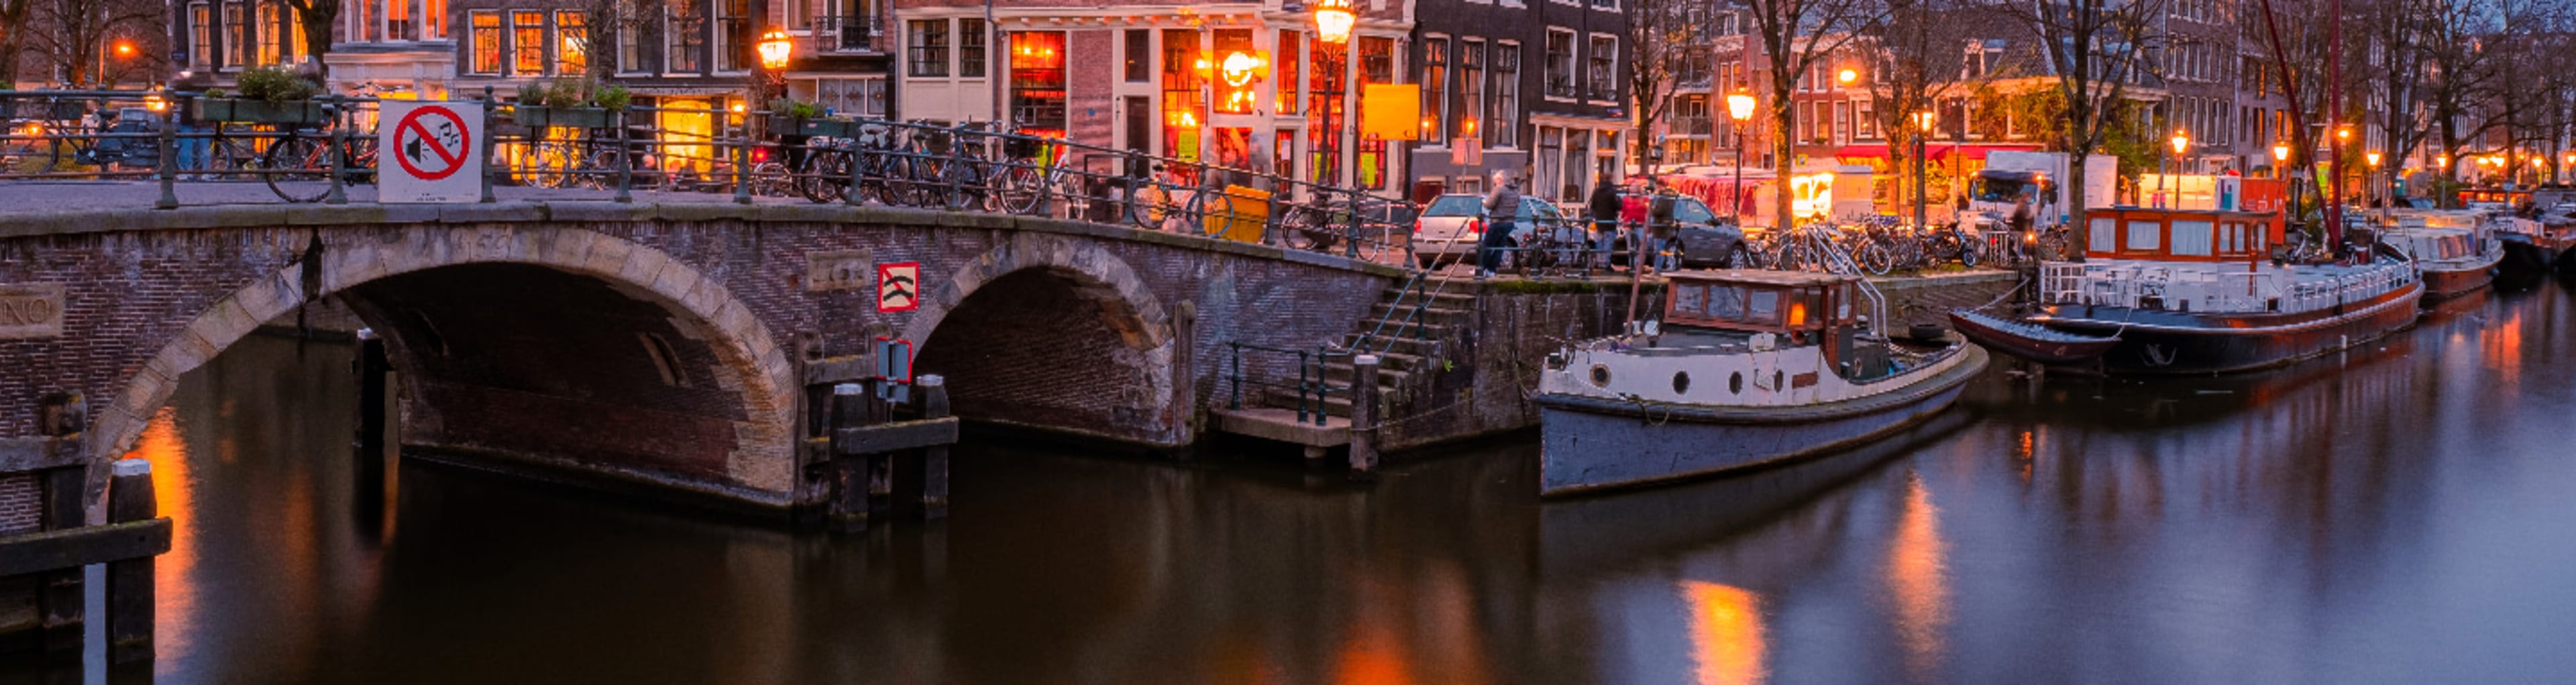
x,y
671,345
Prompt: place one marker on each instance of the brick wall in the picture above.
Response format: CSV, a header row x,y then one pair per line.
x,y
1493,358
20,502
553,359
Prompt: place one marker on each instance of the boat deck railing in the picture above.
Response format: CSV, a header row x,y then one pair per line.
x,y
2213,291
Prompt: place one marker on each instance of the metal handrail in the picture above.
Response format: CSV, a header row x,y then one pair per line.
x,y
1311,388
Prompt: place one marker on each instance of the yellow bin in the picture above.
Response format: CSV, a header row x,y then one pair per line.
x,y
1237,215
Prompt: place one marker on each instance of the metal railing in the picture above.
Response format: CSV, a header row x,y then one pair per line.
x,y
1311,389
975,166
852,33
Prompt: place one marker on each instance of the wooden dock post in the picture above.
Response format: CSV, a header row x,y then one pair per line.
x,y
849,511
372,367
934,459
129,582
1364,413
60,590
880,464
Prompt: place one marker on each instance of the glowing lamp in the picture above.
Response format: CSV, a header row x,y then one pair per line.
x,y
1925,119
1847,76
1333,21
2372,157
2181,142
2281,152
1739,106
154,102
124,48
774,49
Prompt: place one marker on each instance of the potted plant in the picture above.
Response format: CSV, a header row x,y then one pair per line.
x,y
562,104
268,95
789,117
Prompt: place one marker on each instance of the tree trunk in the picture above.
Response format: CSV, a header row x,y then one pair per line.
x,y
1781,168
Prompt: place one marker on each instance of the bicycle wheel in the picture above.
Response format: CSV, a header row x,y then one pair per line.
x,y
1874,258
1020,187
1970,252
598,171
1147,209
297,170
825,178
545,165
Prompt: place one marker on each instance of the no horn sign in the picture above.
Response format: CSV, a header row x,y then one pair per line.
x,y
430,151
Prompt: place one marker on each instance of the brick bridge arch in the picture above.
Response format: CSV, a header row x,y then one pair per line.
x,y
750,363
1027,283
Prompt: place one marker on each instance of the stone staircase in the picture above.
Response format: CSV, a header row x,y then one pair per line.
x,y
1404,329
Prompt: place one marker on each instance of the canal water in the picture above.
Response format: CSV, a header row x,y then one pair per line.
x,y
2401,513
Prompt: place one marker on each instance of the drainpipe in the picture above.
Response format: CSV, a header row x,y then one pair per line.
x,y
994,68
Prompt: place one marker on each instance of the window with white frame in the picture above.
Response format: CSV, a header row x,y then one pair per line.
x,y
201,32
733,36
1504,131
483,42
1471,89
1435,88
1602,81
631,49
865,97
235,39
527,43
572,42
926,48
1556,76
267,29
684,33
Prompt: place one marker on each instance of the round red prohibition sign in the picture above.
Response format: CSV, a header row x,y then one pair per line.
x,y
445,154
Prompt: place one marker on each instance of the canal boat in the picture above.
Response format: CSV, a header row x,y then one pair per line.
x,y
2455,253
2197,291
2028,341
1744,369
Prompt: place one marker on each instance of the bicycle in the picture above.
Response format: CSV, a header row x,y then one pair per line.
x,y
298,159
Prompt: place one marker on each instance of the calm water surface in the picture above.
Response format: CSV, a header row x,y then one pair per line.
x,y
2399,514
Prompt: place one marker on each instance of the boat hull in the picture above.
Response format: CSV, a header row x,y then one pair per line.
x,y
2440,284
2043,350
1591,444
2173,343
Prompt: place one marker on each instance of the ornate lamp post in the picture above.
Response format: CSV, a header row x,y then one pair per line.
x,y
1739,107
1333,22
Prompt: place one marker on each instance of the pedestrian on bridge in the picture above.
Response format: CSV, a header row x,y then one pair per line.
x,y
1604,207
1501,206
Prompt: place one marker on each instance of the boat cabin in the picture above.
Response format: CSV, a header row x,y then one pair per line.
x,y
2495,197
1790,308
2182,235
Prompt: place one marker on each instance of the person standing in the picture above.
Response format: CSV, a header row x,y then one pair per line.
x,y
1501,206
1604,208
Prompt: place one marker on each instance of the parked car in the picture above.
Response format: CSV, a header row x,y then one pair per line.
x,y
1708,240
1449,229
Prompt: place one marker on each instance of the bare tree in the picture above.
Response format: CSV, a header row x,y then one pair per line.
x,y
13,38
1667,37
2097,49
1922,49
75,38
610,21
1795,36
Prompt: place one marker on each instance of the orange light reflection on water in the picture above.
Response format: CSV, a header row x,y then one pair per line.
x,y
1919,579
1726,633
172,491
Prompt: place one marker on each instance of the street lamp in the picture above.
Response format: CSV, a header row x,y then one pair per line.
x,y
1333,22
1847,76
2372,158
2181,142
1923,122
2280,160
774,49
1739,107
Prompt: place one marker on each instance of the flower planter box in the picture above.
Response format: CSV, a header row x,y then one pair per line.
x,y
260,111
794,126
568,117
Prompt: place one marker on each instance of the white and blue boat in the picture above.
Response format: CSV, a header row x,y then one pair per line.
x,y
1746,369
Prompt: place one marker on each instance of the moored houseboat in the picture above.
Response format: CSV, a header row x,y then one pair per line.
x,y
1745,369
2192,291
2455,253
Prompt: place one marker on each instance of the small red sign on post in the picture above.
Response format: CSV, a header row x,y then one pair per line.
x,y
899,287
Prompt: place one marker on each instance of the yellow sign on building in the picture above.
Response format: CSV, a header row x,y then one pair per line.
x,y
1391,111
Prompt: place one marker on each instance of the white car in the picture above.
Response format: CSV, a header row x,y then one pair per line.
x,y
1451,227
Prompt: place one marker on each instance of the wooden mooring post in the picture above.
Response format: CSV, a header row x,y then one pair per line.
x,y
870,450
129,581
134,534
1364,414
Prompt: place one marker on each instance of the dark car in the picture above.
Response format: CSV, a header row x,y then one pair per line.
x,y
1708,240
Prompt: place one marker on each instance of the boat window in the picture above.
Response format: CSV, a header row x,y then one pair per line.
x,y
1763,307
2145,235
2105,235
1726,302
2191,238
1690,299
1843,296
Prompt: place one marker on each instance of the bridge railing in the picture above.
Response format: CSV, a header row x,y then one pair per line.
x,y
679,152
